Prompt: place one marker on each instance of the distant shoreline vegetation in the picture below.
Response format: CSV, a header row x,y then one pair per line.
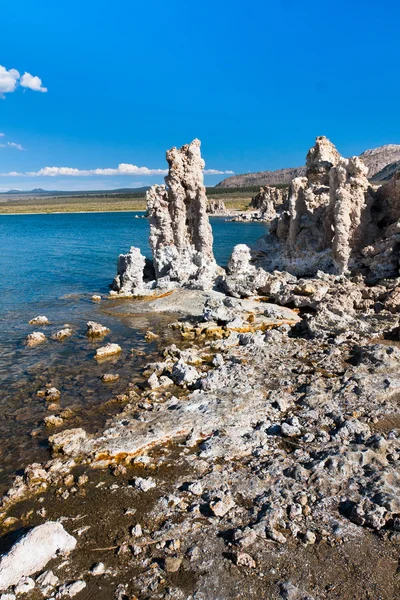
x,y
110,201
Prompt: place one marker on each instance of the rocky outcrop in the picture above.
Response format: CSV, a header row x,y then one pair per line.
x,y
378,159
181,238
180,233
270,201
130,273
262,178
215,206
381,163
329,218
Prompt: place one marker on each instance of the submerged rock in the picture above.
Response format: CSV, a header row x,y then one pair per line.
x,y
181,238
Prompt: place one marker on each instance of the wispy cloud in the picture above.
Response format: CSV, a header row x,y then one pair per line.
x,y
10,144
122,169
216,172
14,145
10,79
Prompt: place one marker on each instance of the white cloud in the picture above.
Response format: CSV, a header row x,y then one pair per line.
x,y
10,79
32,82
1,134
216,172
122,169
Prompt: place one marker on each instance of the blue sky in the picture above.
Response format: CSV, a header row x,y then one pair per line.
x,y
127,79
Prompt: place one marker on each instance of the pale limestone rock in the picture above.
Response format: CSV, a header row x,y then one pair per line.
x,y
350,204
108,350
70,590
62,334
53,421
215,206
96,329
243,279
40,320
130,273
270,201
33,552
180,232
328,220
34,339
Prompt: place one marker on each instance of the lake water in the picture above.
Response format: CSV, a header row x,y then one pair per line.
x,y
51,265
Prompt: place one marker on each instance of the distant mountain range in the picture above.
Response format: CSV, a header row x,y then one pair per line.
x,y
382,163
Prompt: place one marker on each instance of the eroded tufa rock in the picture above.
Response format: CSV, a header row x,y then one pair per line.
x,y
181,238
180,233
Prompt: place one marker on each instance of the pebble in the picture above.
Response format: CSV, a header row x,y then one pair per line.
x,y
310,537
109,377
53,421
98,569
242,559
172,564
71,589
196,488
144,485
221,507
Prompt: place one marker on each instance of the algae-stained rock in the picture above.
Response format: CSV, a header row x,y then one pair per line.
x,y
32,553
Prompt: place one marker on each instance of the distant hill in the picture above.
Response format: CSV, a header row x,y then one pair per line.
x,y
279,177
380,161
387,172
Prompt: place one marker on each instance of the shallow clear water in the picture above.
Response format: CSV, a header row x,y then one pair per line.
x,y
51,265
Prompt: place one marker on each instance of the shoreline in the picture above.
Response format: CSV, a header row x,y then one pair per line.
x,y
79,212
161,446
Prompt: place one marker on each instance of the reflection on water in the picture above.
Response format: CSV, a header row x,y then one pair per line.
x,y
51,265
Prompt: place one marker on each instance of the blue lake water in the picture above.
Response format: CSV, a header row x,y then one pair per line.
x,y
51,265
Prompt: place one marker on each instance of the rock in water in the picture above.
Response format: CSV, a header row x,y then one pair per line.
x,y
130,273
181,238
215,206
180,233
33,552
